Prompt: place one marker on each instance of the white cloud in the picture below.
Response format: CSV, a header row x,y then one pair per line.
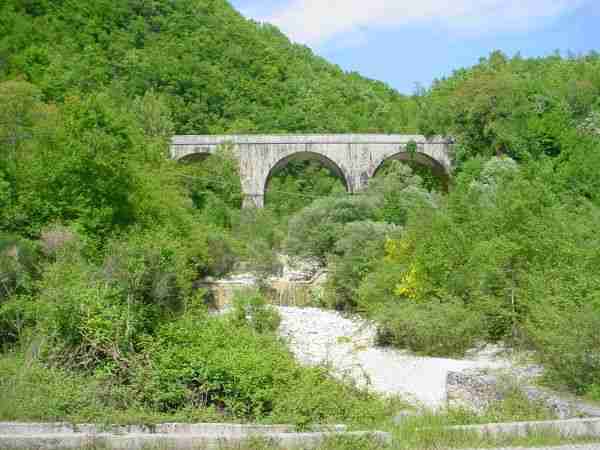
x,y
315,22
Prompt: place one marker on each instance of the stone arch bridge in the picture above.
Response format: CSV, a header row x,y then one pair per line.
x,y
355,158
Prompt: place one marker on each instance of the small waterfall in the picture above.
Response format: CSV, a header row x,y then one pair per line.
x,y
278,291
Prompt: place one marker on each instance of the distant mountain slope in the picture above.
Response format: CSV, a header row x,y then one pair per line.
x,y
221,72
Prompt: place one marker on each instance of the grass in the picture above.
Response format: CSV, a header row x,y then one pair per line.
x,y
429,431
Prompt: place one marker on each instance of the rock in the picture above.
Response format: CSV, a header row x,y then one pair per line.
x,y
299,269
472,389
477,390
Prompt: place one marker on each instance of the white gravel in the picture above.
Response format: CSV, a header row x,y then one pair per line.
x,y
348,346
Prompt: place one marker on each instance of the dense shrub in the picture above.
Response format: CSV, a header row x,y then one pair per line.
x,y
359,248
568,342
214,187
238,366
209,361
259,234
396,191
502,245
513,247
33,391
91,314
5,200
433,328
19,265
314,231
250,309
55,237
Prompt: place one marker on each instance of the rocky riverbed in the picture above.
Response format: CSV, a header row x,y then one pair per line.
x,y
347,345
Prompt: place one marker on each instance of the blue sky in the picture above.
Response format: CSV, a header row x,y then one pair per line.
x,y
405,42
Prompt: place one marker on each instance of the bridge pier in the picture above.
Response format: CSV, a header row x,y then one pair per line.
x,y
253,201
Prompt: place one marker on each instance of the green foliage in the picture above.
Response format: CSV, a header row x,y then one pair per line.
x,y
207,361
214,187
259,233
250,309
235,364
528,109
397,190
5,201
360,246
36,392
566,337
298,184
91,92
84,162
434,328
19,261
501,251
521,107
92,315
32,391
218,71
314,231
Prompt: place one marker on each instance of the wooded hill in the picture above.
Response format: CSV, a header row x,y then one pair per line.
x,y
219,71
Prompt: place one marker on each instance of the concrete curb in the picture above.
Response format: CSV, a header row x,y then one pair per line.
x,y
55,436
565,428
212,429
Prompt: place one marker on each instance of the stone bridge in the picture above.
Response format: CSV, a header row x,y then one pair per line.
x,y
355,158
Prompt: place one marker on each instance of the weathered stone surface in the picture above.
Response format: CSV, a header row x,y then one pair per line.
x,y
479,389
354,157
472,389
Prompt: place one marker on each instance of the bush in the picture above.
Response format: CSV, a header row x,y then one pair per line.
x,y
432,328
223,363
250,309
5,201
214,187
568,342
54,238
16,316
359,247
223,251
501,245
379,286
19,266
314,231
94,314
208,361
30,391
297,184
312,396
396,192
259,234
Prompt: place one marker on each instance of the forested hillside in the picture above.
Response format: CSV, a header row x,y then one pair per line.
x,y
102,236
218,71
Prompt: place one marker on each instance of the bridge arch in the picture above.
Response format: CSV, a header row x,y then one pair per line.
x,y
438,169
325,161
420,158
194,158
